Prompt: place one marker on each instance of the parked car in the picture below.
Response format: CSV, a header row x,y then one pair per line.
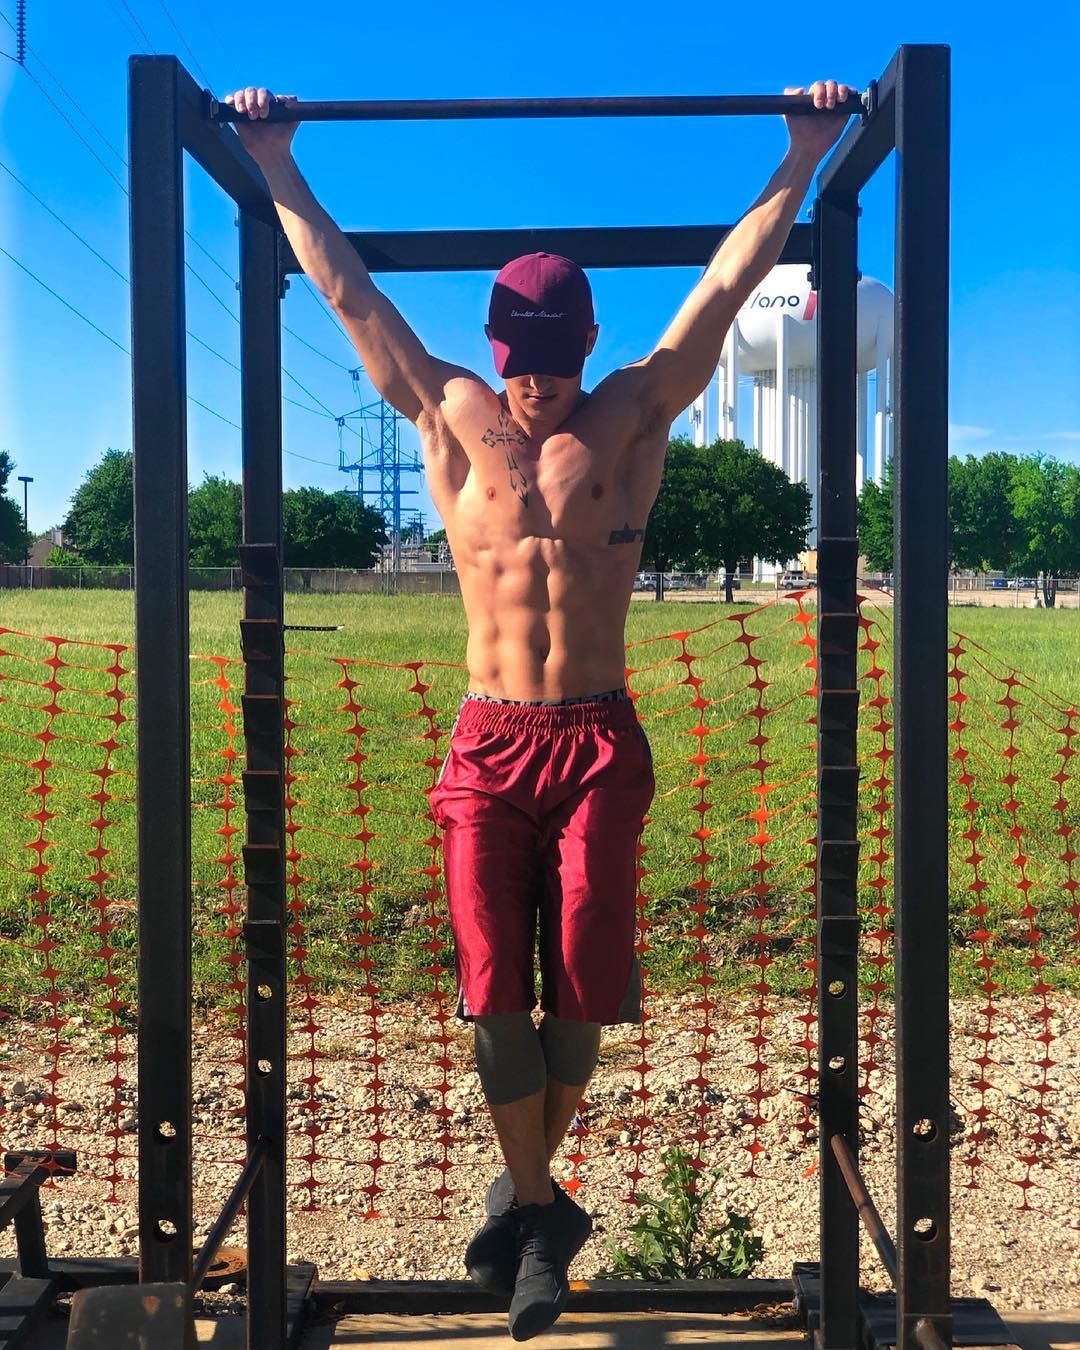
x,y
793,581
999,583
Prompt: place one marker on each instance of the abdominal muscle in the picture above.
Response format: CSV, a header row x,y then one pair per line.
x,y
546,618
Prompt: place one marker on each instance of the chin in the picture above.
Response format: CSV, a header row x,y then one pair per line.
x,y
549,415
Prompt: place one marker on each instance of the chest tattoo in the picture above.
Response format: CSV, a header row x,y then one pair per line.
x,y
626,535
507,434
518,482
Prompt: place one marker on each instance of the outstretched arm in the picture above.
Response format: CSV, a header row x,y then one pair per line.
x,y
394,358
684,359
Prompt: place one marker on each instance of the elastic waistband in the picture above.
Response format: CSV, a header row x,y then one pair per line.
x,y
608,696
483,712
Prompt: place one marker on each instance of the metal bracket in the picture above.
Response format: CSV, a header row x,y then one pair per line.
x,y
814,275
975,1321
869,101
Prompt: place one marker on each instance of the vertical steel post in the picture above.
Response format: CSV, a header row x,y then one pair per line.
x,y
163,788
836,280
921,625
262,637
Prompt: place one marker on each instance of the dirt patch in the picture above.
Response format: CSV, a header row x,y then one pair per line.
x,y
404,1113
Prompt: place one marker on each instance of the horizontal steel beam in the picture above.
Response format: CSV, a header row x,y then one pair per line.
x,y
488,250
215,149
460,109
599,1296
863,147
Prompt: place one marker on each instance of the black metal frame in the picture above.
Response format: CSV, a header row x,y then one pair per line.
x,y
907,110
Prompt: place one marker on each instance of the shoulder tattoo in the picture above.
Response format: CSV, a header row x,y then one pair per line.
x,y
627,535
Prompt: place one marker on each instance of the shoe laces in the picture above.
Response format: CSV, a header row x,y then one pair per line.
x,y
535,1240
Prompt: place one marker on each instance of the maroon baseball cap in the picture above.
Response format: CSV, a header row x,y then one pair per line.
x,y
540,316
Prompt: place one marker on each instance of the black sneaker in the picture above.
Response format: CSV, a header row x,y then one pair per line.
x,y
491,1256
548,1239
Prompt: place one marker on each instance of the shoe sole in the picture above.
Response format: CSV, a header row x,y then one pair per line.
x,y
489,1286
533,1324
528,1326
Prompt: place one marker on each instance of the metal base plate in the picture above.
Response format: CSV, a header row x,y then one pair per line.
x,y
975,1321
597,1296
23,1303
131,1317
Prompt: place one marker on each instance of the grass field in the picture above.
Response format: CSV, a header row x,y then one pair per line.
x,y
728,833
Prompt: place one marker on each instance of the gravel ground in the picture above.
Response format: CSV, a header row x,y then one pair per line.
x,y
1017,1255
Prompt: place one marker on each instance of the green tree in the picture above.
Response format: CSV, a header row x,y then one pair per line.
x,y
984,531
671,535
62,557
214,519
746,507
13,541
100,522
875,521
721,503
330,529
436,537
1045,498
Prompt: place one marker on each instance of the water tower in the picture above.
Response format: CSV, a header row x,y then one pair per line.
x,y
766,384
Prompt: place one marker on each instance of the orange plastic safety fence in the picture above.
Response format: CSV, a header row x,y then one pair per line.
x,y
725,909
219,912
1007,733
63,963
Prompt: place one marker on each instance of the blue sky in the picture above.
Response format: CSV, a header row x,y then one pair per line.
x,y
65,388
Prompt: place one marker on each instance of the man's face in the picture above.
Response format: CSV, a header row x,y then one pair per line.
x,y
543,402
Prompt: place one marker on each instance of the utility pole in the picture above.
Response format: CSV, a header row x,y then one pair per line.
x,y
25,481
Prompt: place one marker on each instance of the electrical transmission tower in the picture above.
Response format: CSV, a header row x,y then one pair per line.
x,y
381,455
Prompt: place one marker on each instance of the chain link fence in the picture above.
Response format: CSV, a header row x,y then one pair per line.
x,y
981,589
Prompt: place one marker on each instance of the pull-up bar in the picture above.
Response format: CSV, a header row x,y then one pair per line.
x,y
400,110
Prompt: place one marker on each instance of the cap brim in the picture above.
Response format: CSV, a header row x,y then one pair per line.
x,y
563,358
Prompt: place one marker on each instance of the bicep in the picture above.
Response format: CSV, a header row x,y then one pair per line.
x,y
398,364
683,361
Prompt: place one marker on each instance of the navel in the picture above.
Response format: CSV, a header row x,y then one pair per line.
x,y
598,491
491,494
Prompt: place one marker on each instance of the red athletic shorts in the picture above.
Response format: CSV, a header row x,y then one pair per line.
x,y
542,808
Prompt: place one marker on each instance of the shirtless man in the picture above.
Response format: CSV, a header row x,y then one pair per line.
x,y
544,490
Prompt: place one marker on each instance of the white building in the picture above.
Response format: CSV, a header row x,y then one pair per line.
x,y
765,391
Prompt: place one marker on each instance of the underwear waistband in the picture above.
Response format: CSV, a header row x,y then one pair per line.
x,y
484,712
608,696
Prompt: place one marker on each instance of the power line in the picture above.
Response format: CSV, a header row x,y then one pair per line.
x,y
123,188
139,26
284,327
116,271
82,111
326,412
324,462
217,38
120,19
71,230
30,74
206,81
120,347
81,315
